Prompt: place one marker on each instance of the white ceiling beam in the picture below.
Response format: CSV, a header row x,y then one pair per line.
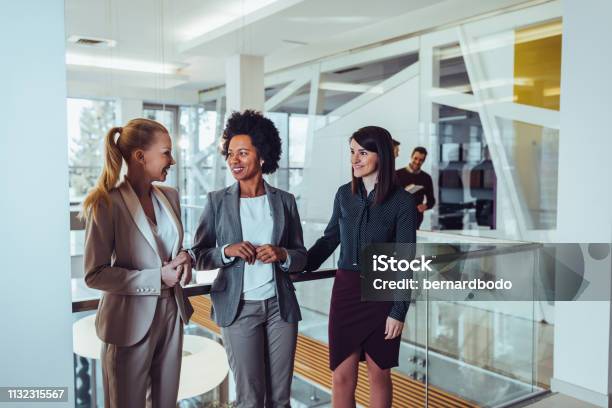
x,y
211,95
404,75
502,108
547,118
346,87
285,93
458,100
237,24
368,56
286,76
351,59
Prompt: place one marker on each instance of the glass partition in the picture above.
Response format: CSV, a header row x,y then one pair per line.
x,y
475,353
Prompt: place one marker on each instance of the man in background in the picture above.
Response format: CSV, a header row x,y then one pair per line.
x,y
396,146
417,182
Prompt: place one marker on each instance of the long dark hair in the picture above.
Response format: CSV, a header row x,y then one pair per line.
x,y
377,140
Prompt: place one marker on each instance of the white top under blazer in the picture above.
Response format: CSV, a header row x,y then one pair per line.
x,y
257,224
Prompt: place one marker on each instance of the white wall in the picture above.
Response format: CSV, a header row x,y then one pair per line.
x,y
582,330
35,306
128,109
396,111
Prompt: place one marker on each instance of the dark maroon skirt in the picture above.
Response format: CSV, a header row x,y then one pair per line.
x,y
358,326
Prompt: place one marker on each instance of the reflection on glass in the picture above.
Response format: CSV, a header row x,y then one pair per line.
x,y
533,154
467,183
451,72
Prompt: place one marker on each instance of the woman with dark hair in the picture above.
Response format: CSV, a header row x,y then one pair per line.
x,y
369,209
252,232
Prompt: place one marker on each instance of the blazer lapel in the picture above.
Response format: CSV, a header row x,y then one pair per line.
x,y
173,216
278,213
138,215
232,194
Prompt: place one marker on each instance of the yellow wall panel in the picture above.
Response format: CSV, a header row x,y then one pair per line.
x,y
537,62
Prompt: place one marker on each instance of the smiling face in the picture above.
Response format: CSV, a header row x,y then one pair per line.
x,y
242,158
417,160
363,161
158,157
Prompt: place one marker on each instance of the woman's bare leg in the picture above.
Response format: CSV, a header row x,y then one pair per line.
x,y
344,382
381,387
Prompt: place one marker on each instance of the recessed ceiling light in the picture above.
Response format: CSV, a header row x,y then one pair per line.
x,y
123,64
92,42
295,42
346,70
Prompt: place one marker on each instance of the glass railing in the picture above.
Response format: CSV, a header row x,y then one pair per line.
x,y
473,351
489,352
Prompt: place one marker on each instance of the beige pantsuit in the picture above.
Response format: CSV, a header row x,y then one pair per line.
x,y
139,320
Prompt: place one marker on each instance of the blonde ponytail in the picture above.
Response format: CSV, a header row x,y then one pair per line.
x,y
136,134
109,177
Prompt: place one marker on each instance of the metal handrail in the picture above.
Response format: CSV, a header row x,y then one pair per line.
x,y
483,251
204,289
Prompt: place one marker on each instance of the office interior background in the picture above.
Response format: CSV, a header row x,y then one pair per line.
x,y
510,97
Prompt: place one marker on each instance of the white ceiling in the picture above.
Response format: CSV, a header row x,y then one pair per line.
x,y
195,36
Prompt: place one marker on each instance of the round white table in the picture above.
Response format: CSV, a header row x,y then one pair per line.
x,y
203,368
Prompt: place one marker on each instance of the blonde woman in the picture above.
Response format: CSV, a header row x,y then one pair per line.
x,y
133,254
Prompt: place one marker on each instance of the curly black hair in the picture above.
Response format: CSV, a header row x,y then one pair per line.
x,y
264,136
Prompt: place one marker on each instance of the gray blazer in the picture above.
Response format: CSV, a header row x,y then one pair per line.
x,y
220,225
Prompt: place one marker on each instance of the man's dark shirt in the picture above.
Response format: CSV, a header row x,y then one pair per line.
x,y
406,178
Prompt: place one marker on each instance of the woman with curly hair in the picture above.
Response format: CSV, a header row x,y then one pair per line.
x,y
251,231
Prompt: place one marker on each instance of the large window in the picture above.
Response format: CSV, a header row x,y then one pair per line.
x,y
88,122
196,152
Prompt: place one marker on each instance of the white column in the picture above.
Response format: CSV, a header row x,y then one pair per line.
x,y
35,306
128,109
582,329
244,83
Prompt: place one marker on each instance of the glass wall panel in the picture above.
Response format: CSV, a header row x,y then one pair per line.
x,y
519,79
485,350
533,152
467,182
